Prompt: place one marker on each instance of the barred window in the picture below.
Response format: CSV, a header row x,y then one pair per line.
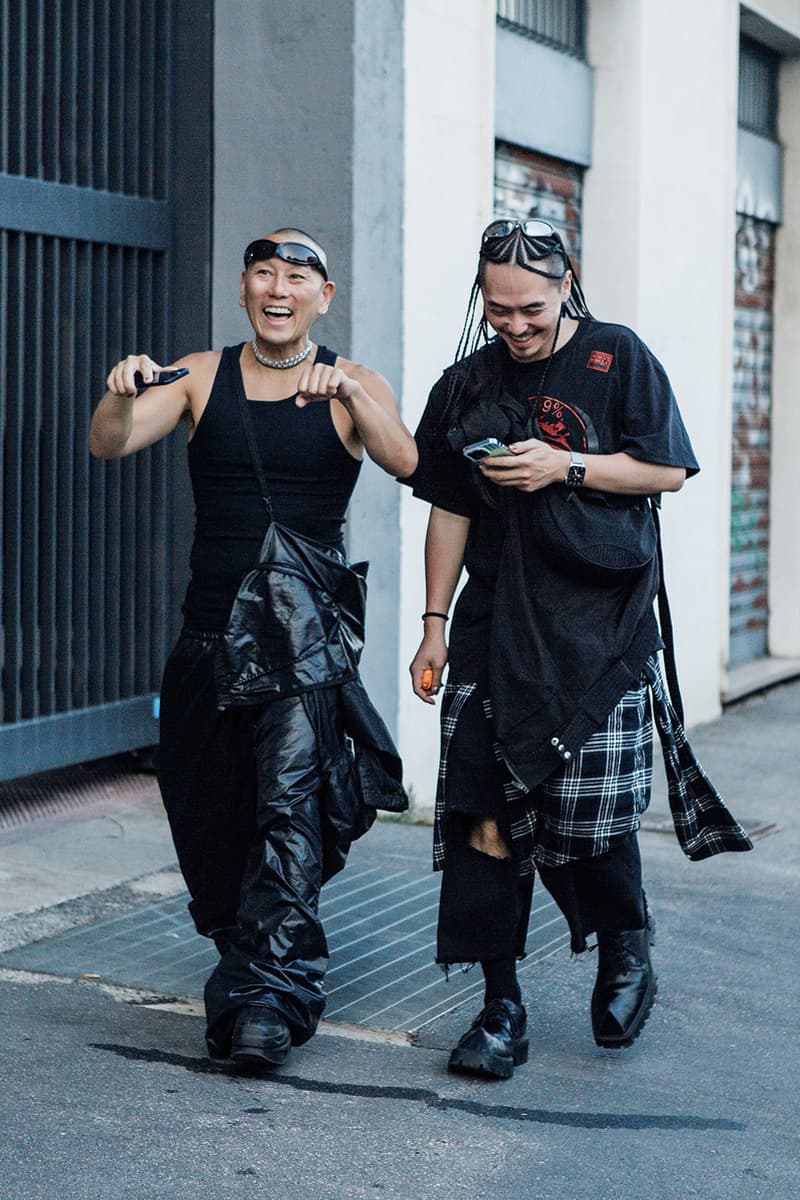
x,y
557,23
758,88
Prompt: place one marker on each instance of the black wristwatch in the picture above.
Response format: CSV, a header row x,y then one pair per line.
x,y
577,471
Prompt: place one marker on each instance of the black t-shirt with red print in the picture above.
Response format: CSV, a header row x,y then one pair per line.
x,y
604,392
601,393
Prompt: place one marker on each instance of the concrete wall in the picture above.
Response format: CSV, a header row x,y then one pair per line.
x,y
784,627
308,113
658,256
449,155
543,99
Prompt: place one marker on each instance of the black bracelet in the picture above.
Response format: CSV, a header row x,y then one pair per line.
x,y
444,616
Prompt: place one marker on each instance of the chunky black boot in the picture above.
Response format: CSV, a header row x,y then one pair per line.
x,y
261,1037
495,1043
626,987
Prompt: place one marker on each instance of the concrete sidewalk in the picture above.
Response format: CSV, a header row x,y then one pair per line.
x,y
113,1096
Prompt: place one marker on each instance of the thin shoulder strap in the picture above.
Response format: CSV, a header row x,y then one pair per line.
x,y
665,621
323,355
238,388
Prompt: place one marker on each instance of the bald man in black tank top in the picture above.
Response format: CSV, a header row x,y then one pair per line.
x,y
263,801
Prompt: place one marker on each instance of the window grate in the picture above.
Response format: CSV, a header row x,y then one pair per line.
x,y
557,23
758,88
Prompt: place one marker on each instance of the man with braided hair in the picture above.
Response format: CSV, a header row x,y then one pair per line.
x,y
546,731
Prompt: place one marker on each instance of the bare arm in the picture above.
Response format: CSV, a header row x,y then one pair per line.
x,y
536,464
444,558
125,422
371,406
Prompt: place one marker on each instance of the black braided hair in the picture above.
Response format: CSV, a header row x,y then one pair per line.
x,y
542,256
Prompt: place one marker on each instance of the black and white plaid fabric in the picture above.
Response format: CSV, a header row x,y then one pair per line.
x,y
585,806
703,824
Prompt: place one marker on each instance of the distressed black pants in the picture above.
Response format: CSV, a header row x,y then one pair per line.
x,y
486,902
242,790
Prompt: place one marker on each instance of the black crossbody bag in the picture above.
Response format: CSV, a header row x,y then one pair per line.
x,y
607,539
297,622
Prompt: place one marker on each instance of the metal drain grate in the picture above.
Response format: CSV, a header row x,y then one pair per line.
x,y
54,793
380,917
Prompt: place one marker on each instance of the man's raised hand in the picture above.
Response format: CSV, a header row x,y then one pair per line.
x,y
321,381
121,382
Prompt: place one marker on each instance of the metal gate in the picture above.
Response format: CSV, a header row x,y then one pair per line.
x,y
752,390
85,247
527,184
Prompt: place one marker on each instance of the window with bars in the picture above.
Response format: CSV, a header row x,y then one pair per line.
x,y
557,23
758,88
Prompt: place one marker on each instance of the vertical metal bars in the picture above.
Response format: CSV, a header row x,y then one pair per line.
x,y
85,92
558,23
758,88
83,583
84,89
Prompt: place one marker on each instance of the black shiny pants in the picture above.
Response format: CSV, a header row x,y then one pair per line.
x,y
242,790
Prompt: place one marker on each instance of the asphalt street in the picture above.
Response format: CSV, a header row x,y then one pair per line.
x,y
108,1093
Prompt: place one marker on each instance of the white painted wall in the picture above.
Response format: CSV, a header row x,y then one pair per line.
x,y
658,240
449,167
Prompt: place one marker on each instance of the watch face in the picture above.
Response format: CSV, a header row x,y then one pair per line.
x,y
575,475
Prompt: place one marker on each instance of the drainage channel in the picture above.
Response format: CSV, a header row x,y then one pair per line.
x,y
71,790
380,918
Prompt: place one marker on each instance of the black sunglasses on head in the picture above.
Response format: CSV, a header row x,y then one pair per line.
x,y
534,229
291,252
538,239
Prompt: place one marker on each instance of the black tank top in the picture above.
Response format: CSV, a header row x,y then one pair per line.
x,y
310,476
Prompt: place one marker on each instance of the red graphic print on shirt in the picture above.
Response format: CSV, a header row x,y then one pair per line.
x,y
600,361
562,425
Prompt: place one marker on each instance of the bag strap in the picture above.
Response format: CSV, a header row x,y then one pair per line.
x,y
665,621
252,444
323,355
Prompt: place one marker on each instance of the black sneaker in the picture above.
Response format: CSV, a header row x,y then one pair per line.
x,y
626,987
495,1043
261,1037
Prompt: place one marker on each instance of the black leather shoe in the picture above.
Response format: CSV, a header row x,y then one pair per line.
x,y
261,1037
626,987
495,1042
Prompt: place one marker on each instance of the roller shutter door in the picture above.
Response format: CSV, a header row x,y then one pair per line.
x,y
752,385
527,184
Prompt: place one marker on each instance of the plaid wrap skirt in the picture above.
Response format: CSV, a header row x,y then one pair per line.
x,y
589,804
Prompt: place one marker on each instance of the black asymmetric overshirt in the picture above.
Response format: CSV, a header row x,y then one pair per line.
x,y
546,646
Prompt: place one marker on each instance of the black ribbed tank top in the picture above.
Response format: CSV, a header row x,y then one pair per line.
x,y
310,476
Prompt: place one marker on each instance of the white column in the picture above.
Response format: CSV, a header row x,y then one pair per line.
x,y
658,256
449,157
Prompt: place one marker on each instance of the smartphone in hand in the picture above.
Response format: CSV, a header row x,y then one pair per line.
x,y
161,379
487,448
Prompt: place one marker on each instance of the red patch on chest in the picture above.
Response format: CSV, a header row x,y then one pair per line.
x,y
600,361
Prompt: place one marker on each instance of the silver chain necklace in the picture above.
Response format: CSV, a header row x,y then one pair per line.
x,y
280,364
